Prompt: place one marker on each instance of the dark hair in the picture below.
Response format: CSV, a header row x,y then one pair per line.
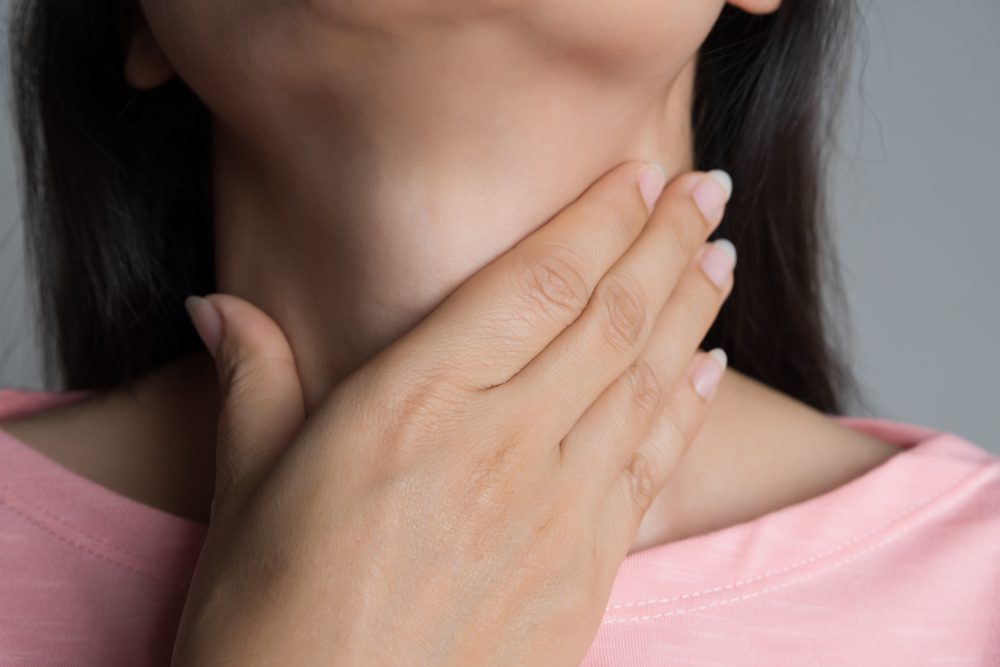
x,y
117,194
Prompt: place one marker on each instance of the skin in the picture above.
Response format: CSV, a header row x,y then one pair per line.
x,y
471,491
371,157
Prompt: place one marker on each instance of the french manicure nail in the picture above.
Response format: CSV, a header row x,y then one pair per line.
x,y
709,371
206,320
719,260
711,194
652,178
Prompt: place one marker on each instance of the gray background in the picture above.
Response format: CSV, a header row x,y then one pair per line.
x,y
917,167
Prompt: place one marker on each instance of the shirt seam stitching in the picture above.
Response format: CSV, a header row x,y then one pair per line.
x,y
27,513
915,508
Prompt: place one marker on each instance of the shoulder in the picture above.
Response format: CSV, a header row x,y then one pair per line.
x,y
152,441
40,419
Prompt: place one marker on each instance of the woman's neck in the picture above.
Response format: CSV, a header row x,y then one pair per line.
x,y
351,221
348,228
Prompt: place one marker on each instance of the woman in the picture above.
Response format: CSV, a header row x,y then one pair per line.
x,y
344,167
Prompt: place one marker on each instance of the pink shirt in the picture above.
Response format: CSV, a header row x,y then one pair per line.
x,y
900,566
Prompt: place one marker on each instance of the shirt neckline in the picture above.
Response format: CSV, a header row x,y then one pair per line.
x,y
795,543
86,515
653,582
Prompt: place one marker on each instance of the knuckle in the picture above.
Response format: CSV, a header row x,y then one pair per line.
x,y
622,304
236,367
241,378
642,478
422,409
551,280
490,479
493,478
244,372
643,385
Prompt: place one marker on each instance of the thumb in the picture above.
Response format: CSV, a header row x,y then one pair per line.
x,y
261,395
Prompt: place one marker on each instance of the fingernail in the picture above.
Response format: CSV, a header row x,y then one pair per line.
x,y
719,260
652,178
709,371
206,320
711,195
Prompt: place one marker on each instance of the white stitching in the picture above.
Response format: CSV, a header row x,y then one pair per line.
x,y
840,547
6,490
93,552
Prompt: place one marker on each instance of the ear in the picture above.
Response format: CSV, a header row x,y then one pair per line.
x,y
146,66
756,6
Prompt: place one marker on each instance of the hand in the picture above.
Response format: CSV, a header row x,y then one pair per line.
x,y
468,495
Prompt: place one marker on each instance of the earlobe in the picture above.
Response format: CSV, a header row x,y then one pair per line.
x,y
146,66
756,6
